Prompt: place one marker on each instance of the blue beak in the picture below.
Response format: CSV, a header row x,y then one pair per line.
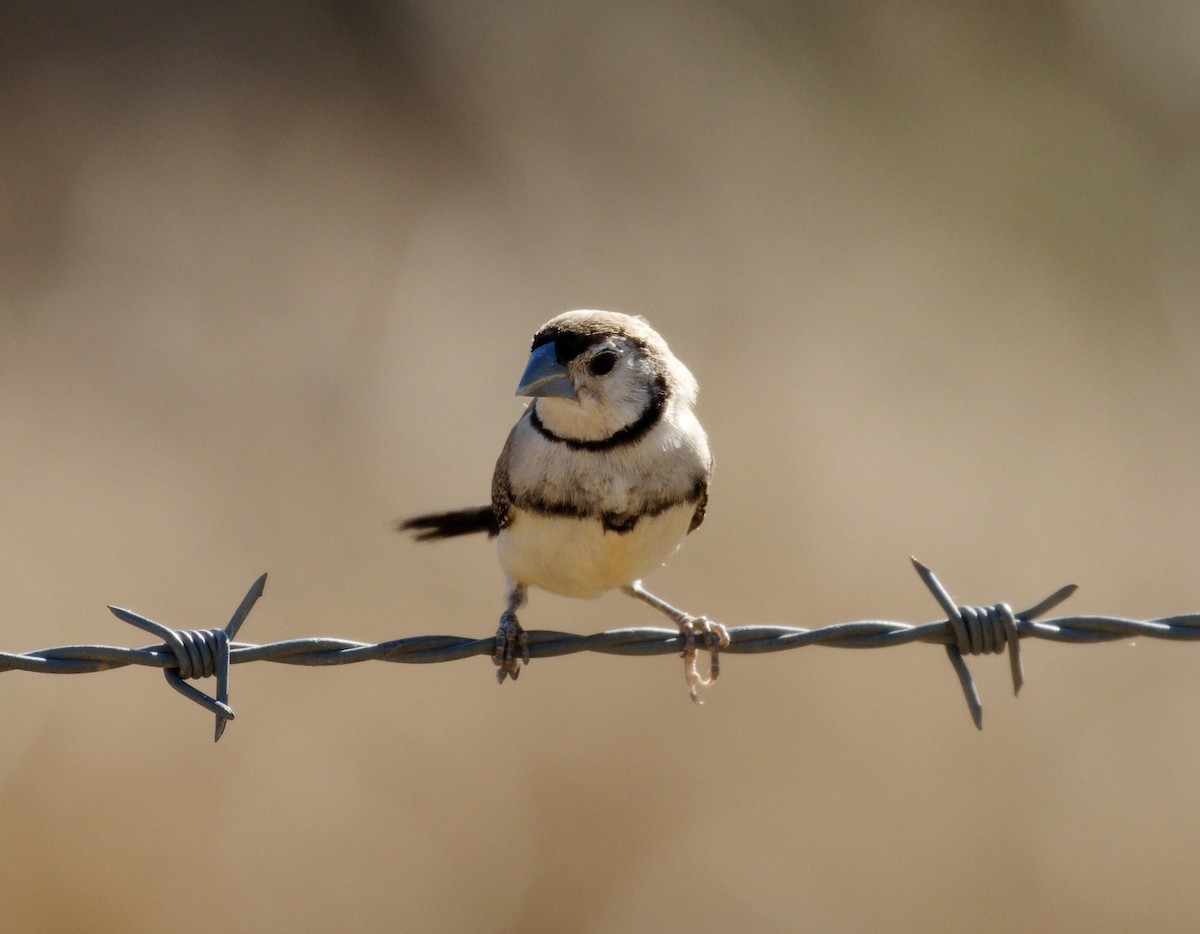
x,y
545,376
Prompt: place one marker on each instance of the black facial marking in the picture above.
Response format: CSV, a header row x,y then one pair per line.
x,y
570,346
567,344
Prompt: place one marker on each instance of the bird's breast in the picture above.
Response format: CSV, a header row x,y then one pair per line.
x,y
585,557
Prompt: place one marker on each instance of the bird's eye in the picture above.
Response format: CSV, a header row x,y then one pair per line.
x,y
602,363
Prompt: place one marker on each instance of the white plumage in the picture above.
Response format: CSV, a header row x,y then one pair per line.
x,y
566,556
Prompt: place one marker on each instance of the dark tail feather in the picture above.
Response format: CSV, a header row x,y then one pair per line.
x,y
451,524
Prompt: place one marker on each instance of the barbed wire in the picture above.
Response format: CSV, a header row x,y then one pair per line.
x,y
188,654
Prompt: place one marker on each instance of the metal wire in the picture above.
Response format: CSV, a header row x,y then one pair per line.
x,y
188,654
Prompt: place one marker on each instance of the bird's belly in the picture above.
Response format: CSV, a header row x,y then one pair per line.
x,y
579,558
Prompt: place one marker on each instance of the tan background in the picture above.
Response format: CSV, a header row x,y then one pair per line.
x,y
267,280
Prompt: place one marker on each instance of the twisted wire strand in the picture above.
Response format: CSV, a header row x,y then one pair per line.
x,y
185,655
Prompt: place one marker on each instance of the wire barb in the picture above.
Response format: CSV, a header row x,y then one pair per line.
x,y
979,630
200,653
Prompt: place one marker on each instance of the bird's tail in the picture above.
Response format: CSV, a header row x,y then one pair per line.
x,y
451,524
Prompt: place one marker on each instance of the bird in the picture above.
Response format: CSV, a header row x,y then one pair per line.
x,y
602,477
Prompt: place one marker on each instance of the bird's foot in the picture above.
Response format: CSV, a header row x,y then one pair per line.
x,y
512,648
715,637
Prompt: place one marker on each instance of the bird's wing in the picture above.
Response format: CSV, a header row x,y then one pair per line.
x,y
701,503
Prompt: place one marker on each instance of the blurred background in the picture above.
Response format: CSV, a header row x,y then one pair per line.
x,y
268,273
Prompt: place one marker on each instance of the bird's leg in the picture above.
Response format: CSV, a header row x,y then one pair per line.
x,y
510,637
715,637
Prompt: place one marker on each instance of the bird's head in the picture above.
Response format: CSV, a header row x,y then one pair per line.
x,y
594,373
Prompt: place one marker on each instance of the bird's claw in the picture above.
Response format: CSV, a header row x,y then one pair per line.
x,y
715,637
512,648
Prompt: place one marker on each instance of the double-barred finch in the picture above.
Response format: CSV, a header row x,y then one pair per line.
x,y
601,478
